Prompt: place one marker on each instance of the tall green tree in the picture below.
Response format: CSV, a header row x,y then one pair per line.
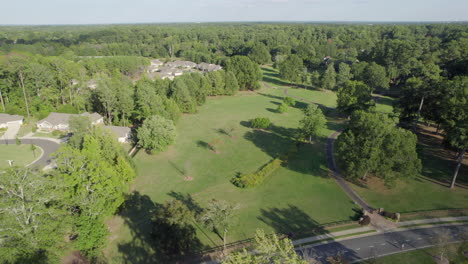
x,y
247,72
156,134
344,74
181,95
291,68
219,216
354,95
376,77
373,145
312,123
329,78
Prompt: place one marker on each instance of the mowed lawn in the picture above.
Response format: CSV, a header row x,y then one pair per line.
x,y
21,155
298,196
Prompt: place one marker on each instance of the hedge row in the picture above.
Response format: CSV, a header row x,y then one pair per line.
x,y
253,179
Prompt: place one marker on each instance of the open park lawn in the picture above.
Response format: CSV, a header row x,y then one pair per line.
x,y
21,155
429,191
298,196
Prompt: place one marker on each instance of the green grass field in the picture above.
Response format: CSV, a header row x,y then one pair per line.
x,y
21,155
296,197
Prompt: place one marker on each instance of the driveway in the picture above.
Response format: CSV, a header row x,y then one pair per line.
x,y
368,247
12,131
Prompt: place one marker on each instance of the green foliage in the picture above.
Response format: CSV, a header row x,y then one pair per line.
x,y
156,134
376,77
181,95
247,72
96,177
354,95
34,218
259,53
372,144
329,78
80,126
291,68
219,216
172,229
344,74
260,122
289,101
282,108
250,180
17,141
268,249
312,123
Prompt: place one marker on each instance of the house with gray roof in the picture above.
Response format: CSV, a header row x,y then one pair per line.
x,y
206,67
60,121
181,64
7,120
122,133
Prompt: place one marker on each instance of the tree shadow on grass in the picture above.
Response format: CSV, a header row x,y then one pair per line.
x,y
158,241
299,104
290,220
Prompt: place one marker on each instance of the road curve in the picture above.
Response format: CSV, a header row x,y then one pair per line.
x,y
382,244
48,147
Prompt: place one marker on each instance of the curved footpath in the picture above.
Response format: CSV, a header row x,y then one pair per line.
x,y
331,160
48,147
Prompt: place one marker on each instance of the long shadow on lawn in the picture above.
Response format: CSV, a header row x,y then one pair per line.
x,y
171,241
290,220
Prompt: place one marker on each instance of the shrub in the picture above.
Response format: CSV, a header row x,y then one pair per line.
x,y
34,129
282,108
253,179
260,122
289,101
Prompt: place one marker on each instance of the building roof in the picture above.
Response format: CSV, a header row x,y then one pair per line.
x,y
63,118
119,131
94,116
188,64
208,67
4,118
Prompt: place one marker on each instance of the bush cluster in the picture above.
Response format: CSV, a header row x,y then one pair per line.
x,y
289,101
282,108
260,122
253,179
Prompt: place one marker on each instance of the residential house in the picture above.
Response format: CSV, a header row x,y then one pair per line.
x,y
206,67
181,64
60,121
122,133
7,120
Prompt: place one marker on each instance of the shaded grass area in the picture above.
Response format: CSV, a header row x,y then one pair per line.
x,y
425,256
21,155
298,196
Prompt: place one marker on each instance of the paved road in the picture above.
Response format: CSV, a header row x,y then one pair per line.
x,y
358,249
48,147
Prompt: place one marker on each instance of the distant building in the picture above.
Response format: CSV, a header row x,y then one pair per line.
x,y
122,133
181,64
206,67
60,121
7,120
155,65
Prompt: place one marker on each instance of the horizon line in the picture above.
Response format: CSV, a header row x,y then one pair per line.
x,y
254,22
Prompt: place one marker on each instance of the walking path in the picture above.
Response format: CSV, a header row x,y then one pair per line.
x,y
331,161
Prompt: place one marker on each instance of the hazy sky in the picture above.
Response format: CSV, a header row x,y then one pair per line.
x,y
143,11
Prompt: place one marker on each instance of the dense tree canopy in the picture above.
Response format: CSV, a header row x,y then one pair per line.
x,y
354,95
373,145
156,134
247,72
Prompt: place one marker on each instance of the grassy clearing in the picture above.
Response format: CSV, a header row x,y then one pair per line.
x,y
299,196
21,155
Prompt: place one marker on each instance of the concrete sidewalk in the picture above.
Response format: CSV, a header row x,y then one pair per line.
x,y
332,235
432,221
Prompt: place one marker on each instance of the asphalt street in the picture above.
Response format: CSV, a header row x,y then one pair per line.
x,y
47,146
382,244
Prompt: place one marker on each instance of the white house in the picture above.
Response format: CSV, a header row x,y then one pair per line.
x,y
60,121
7,120
122,133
